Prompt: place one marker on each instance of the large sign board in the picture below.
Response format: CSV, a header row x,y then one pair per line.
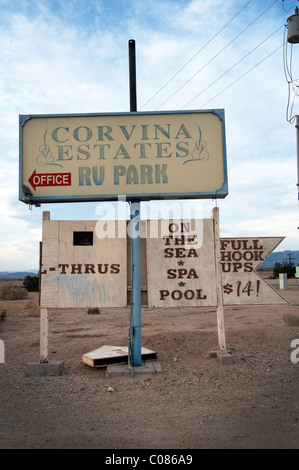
x,y
144,156
240,258
181,265
181,271
78,269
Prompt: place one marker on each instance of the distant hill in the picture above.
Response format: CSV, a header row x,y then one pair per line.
x,y
281,257
276,257
16,275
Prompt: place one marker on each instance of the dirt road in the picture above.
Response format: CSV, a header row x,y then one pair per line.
x,y
195,403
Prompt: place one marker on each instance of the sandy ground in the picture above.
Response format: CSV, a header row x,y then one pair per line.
x,y
195,403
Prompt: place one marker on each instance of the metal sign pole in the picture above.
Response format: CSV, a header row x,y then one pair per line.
x,y
135,315
132,72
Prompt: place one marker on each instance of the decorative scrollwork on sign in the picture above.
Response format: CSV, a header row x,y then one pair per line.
x,y
45,157
199,152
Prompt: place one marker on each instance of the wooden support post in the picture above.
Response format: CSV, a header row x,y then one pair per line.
x,y
220,314
44,330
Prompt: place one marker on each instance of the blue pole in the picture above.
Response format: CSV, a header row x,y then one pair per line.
x,y
135,314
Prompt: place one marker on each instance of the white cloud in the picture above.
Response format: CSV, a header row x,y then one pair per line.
x,y
72,57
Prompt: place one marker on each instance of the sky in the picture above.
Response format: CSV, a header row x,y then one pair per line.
x,y
71,56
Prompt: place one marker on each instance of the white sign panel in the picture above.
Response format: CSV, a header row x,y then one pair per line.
x,y
181,273
181,264
79,269
240,257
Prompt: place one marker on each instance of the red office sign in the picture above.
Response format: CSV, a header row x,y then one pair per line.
x,y
50,179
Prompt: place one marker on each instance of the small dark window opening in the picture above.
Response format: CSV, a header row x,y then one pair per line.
x,y
82,238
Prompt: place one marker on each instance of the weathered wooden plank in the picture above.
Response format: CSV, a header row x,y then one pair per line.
x,y
239,258
220,312
44,333
91,275
181,266
49,289
113,354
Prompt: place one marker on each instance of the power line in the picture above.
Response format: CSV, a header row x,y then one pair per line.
x,y
193,57
235,81
233,66
218,53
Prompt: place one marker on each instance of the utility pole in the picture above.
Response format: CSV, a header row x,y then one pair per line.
x,y
293,38
290,258
297,135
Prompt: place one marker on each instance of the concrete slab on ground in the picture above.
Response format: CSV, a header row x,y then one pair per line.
x,y
39,369
224,358
147,368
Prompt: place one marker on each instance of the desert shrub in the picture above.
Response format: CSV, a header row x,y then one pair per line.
x,y
11,291
32,307
93,311
2,315
31,283
287,268
291,319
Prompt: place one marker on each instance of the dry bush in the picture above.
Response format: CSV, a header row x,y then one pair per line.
x,y
2,314
291,319
93,311
11,291
32,307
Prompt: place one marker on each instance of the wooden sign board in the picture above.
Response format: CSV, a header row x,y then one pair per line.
x,y
179,256
182,274
240,258
78,269
181,265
